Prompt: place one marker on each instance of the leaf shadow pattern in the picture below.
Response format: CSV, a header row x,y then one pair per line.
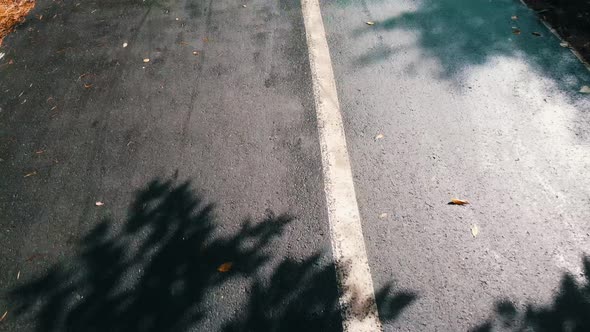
x,y
464,33
569,311
154,272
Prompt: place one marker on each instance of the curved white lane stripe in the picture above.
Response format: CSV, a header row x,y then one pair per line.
x,y
356,286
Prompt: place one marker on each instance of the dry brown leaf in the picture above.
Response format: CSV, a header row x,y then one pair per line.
x,y
225,267
3,316
205,39
87,86
456,201
31,174
370,23
474,230
34,257
99,203
516,31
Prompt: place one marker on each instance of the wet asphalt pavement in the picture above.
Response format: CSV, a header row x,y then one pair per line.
x,y
161,170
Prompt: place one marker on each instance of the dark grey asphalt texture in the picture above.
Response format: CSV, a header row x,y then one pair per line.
x,y
208,154
232,126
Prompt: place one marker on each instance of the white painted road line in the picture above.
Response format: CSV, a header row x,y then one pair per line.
x,y
357,297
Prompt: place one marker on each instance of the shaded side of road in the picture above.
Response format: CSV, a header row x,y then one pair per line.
x,y
570,18
461,34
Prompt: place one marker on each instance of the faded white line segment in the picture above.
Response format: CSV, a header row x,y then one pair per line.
x,y
357,297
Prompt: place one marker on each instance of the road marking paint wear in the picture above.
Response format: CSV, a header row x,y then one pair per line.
x,y
357,297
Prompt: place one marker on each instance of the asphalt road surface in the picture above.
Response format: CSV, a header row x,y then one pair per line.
x,y
163,168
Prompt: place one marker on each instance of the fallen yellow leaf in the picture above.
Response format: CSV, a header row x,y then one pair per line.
x,y
225,267
456,201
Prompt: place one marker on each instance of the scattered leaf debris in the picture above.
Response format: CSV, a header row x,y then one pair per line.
x,y
225,267
99,203
474,230
456,201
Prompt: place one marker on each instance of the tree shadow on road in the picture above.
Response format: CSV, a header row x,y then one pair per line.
x,y
464,33
569,311
157,271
